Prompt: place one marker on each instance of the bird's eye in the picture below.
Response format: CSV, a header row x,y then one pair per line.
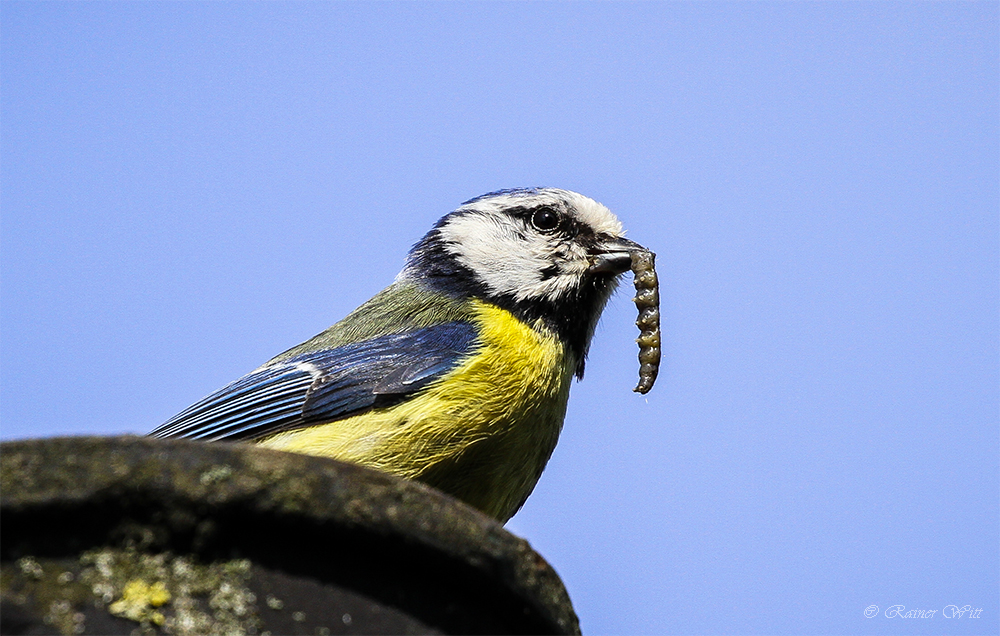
x,y
545,219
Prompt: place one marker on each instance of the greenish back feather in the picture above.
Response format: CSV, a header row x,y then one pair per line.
x,y
401,306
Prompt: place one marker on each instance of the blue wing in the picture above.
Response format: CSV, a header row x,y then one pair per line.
x,y
323,386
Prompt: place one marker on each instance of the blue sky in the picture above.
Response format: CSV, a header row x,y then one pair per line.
x,y
188,189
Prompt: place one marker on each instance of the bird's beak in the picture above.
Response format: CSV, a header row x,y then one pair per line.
x,y
613,256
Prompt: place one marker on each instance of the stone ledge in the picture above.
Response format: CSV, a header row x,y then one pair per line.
x,y
310,545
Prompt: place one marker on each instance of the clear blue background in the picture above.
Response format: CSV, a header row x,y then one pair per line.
x,y
189,189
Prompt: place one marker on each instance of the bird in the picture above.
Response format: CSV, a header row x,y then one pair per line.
x,y
458,373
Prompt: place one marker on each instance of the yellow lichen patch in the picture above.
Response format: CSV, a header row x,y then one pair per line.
x,y
138,600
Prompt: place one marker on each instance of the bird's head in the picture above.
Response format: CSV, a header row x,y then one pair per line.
x,y
541,253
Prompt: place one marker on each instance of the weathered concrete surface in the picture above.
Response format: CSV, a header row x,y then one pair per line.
x,y
107,535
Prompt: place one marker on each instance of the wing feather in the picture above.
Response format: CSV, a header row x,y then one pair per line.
x,y
323,386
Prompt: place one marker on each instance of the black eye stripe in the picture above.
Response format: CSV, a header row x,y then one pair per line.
x,y
566,224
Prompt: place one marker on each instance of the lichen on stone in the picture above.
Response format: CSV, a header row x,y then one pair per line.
x,y
139,600
174,593
30,567
45,586
215,474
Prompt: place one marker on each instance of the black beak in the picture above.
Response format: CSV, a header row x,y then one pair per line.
x,y
613,256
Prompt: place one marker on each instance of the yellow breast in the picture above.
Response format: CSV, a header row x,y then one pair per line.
x,y
482,433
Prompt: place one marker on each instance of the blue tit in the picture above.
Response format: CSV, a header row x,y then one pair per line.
x,y
458,373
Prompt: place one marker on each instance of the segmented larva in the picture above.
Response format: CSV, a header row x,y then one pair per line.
x,y
647,301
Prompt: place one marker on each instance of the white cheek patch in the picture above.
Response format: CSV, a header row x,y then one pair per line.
x,y
491,247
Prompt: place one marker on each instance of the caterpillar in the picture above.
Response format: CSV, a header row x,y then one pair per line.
x,y
647,301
